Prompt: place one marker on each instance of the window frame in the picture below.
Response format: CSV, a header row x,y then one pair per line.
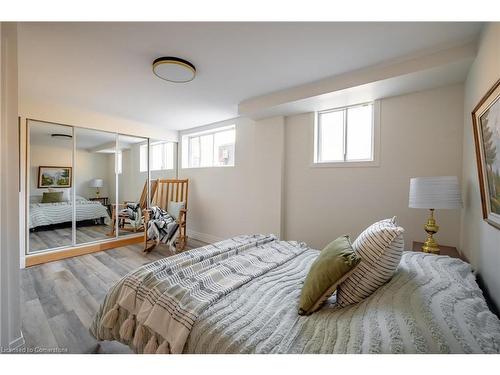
x,y
186,141
149,162
118,162
374,162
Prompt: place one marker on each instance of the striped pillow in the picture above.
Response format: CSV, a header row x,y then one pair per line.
x,y
380,247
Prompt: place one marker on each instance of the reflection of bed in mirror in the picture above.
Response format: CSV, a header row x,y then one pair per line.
x,y
75,177
46,214
50,224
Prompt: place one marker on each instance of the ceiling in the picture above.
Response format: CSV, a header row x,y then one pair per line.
x,y
86,139
106,67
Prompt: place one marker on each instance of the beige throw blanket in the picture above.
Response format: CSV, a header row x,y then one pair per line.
x,y
154,308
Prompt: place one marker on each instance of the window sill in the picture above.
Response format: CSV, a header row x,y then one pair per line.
x,y
347,164
159,170
217,166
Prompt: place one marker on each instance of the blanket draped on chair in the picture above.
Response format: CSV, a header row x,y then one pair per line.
x,y
154,308
161,225
134,213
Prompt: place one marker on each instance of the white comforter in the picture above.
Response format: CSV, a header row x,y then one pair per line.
x,y
432,305
62,212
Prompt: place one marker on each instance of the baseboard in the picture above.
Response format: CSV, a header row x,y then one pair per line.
x,y
208,238
50,256
17,343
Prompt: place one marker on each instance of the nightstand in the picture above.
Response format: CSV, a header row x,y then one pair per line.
x,y
444,250
104,201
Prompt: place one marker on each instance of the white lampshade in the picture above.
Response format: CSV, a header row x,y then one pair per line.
x,y
441,192
96,183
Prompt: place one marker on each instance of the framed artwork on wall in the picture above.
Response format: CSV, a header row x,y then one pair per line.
x,y
486,127
58,177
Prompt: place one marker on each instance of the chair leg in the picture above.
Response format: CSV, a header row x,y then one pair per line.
x,y
148,249
113,222
182,239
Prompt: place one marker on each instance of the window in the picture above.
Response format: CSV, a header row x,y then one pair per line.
x,y
211,148
119,162
345,135
161,156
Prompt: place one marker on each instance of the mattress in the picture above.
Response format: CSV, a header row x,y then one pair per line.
x,y
432,305
41,214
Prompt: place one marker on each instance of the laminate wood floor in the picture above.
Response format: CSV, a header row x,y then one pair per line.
x,y
52,238
59,299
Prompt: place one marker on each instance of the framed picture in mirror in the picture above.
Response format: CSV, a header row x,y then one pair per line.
x,y
54,177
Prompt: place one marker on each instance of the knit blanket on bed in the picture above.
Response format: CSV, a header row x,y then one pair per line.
x,y
154,308
431,305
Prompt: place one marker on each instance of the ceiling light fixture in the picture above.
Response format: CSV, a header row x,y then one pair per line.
x,y
174,69
58,135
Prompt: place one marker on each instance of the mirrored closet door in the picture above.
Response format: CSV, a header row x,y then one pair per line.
x,y
87,186
132,172
94,184
49,188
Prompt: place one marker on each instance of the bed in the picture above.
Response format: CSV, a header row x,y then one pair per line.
x,y
241,296
43,214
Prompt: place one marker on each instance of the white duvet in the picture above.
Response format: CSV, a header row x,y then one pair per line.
x,y
432,305
54,213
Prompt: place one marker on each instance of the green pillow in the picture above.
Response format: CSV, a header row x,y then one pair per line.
x,y
333,265
52,197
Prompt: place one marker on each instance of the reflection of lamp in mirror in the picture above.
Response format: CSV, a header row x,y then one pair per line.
x,y
96,183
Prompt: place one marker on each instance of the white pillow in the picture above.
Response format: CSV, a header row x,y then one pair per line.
x,y
174,208
380,247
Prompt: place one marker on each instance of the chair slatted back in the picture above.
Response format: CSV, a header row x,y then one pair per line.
x,y
143,201
170,190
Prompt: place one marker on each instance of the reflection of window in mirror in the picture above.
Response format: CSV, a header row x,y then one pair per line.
x,y
119,162
161,158
132,184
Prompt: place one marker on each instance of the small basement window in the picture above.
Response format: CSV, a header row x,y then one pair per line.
x,y
211,148
345,135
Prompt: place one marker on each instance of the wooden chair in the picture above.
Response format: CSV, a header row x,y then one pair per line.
x,y
168,190
123,219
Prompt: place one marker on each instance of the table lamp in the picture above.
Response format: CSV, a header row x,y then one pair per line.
x,y
433,193
96,183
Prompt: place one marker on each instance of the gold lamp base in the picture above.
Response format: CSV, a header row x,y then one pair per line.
x,y
430,245
97,193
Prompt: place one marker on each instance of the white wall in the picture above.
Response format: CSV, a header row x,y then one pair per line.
x,y
480,242
274,189
246,198
10,322
89,165
420,134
